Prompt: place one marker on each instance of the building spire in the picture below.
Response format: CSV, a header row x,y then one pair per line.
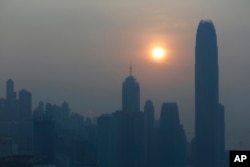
x,y
130,69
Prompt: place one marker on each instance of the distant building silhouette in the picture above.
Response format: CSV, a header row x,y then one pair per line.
x,y
16,119
106,140
206,96
149,114
52,135
149,130
25,104
10,93
172,148
169,119
44,136
130,94
11,103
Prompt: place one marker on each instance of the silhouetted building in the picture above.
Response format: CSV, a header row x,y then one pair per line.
x,y
149,114
26,122
130,94
11,103
44,136
25,137
169,119
130,126
15,119
10,93
149,132
25,104
71,142
130,136
106,138
221,135
172,143
206,96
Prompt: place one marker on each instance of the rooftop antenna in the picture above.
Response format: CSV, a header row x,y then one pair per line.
x,y
130,69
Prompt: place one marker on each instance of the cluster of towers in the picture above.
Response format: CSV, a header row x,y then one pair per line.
x,y
129,137
48,136
138,141
15,121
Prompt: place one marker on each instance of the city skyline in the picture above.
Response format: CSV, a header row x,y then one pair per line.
x,y
58,55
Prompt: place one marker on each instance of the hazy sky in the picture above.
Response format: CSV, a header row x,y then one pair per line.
x,y
80,51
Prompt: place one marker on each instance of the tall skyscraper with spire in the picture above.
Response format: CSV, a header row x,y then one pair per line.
x,y
206,96
130,94
130,126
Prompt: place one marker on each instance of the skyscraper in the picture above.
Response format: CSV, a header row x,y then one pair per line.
x,y
130,126
10,94
25,100
173,139
206,95
11,103
149,114
169,119
106,141
44,136
26,124
130,94
149,132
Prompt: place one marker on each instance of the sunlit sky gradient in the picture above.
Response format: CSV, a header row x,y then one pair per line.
x,y
80,51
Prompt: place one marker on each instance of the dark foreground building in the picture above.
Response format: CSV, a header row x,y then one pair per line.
x,y
207,121
172,139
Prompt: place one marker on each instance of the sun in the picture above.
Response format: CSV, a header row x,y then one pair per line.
x,y
158,53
